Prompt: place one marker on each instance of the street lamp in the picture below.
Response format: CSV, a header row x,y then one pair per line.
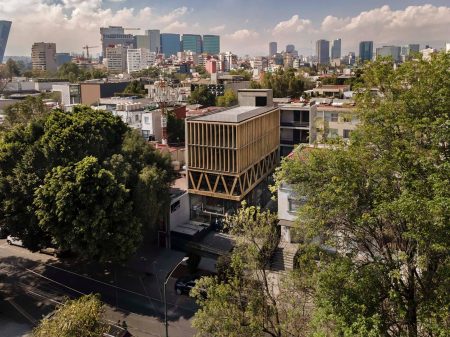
x,y
184,259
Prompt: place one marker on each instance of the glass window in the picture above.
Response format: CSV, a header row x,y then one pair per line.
x,y
146,120
136,118
347,133
293,205
334,116
332,133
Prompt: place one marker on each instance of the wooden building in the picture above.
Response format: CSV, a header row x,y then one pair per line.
x,y
229,153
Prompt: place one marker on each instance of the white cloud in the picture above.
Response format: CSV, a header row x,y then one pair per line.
x,y
217,29
422,24
294,24
242,34
73,23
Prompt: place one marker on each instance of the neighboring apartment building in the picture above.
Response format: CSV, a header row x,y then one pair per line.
x,y
296,126
335,121
138,59
116,59
230,155
43,56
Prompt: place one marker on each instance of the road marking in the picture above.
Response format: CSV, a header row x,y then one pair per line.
x,y
22,311
49,279
101,282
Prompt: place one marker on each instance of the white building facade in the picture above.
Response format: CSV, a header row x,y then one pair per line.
x,y
139,59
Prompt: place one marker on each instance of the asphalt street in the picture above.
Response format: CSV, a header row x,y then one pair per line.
x,y
31,284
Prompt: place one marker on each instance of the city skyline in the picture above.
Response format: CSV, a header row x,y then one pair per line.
x,y
74,23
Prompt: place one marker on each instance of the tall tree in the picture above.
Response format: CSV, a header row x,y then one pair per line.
x,y
44,156
382,204
247,299
87,211
80,317
228,99
202,95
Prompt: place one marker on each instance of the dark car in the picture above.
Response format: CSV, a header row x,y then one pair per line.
x,y
185,284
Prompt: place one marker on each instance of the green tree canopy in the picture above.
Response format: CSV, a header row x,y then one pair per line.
x,y
228,99
87,211
246,299
105,170
135,87
80,317
283,83
202,95
381,203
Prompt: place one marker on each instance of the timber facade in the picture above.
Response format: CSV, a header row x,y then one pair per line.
x,y
229,153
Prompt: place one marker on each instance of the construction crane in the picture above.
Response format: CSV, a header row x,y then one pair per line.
x,y
87,49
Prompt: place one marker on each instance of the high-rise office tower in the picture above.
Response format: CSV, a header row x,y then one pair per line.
x,y
192,42
336,49
323,51
170,44
290,48
389,51
155,40
115,35
365,51
272,48
211,44
5,26
43,56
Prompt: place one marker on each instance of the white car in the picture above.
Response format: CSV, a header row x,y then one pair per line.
x,y
12,240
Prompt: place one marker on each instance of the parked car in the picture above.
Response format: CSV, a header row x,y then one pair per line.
x,y
12,240
185,284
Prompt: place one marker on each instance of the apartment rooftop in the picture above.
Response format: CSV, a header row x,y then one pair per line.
x,y
234,115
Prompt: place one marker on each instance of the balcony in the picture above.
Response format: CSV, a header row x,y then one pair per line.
x,y
295,124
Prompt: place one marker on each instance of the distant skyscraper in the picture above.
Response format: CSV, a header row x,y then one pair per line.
x,y
5,26
365,51
138,59
155,40
336,49
211,44
272,48
170,44
43,56
62,58
115,35
323,51
192,42
389,51
290,48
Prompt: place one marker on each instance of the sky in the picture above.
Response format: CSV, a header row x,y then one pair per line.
x,y
245,26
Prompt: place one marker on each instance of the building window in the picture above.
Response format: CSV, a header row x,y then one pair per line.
x,y
293,205
347,133
136,118
260,101
333,133
146,120
334,117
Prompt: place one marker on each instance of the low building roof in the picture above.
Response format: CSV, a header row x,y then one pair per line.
x,y
234,115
